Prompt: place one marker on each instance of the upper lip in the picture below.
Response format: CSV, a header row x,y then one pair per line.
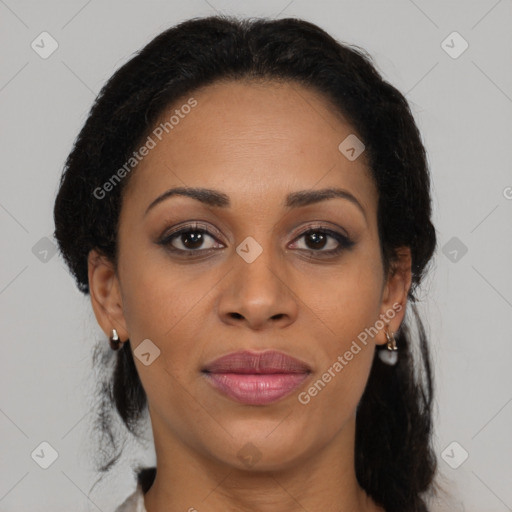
x,y
246,361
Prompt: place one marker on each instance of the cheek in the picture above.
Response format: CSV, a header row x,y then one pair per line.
x,y
332,398
159,295
347,300
168,304
346,308
162,304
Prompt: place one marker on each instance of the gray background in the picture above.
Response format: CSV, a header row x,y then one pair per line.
x,y
463,107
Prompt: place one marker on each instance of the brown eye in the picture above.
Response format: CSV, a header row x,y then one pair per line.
x,y
316,240
324,241
189,239
192,238
197,239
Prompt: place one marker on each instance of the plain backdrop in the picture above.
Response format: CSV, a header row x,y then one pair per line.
x,y
463,105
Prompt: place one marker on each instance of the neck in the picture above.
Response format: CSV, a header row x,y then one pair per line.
x,y
325,480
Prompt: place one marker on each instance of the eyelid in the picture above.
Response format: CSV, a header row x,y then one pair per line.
x,y
344,240
212,231
191,226
324,226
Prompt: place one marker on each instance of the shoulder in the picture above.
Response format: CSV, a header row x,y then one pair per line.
x,y
134,502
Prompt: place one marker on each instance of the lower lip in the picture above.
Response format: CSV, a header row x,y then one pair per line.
x,y
256,389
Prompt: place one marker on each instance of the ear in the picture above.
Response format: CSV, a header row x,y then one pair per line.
x,y
105,294
394,293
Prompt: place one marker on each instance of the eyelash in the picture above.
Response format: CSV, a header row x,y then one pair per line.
x,y
166,241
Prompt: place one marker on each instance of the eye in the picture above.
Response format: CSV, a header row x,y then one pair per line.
x,y
197,238
324,241
191,239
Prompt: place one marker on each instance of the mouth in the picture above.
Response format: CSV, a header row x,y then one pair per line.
x,y
256,378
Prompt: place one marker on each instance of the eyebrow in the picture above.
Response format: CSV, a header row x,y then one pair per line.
x,y
218,199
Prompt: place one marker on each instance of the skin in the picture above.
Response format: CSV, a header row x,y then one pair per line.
x,y
255,142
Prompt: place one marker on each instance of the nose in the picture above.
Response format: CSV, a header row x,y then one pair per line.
x,y
258,294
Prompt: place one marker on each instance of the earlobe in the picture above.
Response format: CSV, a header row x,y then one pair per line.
x,y
105,294
396,289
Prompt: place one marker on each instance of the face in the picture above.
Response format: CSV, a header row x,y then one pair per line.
x,y
265,270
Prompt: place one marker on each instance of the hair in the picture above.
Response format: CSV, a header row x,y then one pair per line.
x,y
394,460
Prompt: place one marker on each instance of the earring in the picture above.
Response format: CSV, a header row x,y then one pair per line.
x,y
114,340
389,355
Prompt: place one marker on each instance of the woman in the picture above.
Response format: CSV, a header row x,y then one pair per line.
x,y
248,207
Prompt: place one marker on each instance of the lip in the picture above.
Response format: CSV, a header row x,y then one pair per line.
x,y
247,361
256,378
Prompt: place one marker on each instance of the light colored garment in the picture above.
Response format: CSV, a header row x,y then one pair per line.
x,y
134,502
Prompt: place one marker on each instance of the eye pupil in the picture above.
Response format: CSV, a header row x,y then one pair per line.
x,y
195,236
317,237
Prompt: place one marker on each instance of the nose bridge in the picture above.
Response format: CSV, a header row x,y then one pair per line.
x,y
257,267
256,246
257,289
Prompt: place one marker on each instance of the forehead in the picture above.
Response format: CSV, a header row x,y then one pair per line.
x,y
255,141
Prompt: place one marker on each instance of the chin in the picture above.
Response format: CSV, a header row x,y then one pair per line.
x,y
262,453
